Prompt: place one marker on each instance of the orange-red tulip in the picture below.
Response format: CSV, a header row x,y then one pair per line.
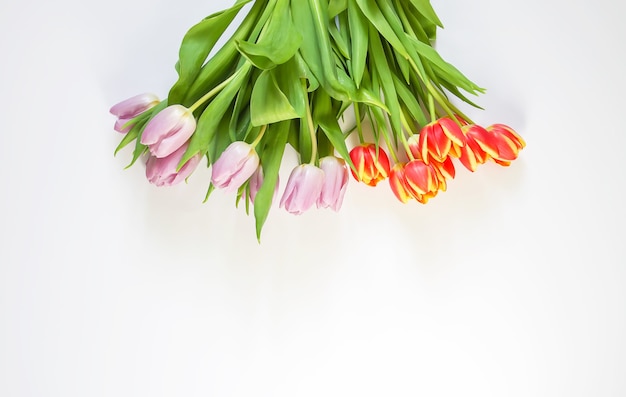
x,y
436,139
508,143
372,164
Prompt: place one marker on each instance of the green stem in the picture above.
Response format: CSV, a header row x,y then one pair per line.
x,y
309,119
405,143
213,92
431,107
359,128
259,137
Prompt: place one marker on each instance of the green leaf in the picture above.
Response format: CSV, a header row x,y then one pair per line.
x,y
374,14
410,100
426,9
339,42
383,71
358,25
196,46
326,118
276,139
240,117
212,115
278,41
311,17
227,59
290,83
220,140
445,69
305,73
336,7
415,24
139,150
268,103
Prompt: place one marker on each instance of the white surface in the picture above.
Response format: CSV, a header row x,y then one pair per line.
x,y
509,284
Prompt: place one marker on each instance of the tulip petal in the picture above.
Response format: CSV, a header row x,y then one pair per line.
x,y
398,183
234,166
168,130
134,106
303,188
162,171
452,130
485,140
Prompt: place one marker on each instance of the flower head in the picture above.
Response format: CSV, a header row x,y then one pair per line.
x,y
416,180
168,130
421,180
303,188
235,166
508,143
130,108
436,139
161,171
335,182
372,164
478,146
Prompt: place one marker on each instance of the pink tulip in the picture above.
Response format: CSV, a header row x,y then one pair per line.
x,y
120,125
161,171
256,181
335,182
235,166
303,188
168,130
130,108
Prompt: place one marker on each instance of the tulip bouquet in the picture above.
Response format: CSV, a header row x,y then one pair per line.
x,y
287,76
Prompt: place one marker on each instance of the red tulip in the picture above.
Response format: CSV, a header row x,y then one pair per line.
x,y
436,139
372,164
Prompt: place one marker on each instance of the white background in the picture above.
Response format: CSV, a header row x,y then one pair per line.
x,y
511,283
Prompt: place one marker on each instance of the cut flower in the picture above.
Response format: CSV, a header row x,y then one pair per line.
x,y
288,75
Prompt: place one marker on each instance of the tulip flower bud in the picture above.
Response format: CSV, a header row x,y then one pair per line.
x,y
508,142
161,171
168,130
372,165
303,188
235,166
437,138
335,182
130,108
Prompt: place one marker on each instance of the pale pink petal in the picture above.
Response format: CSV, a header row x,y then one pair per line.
x,y
131,107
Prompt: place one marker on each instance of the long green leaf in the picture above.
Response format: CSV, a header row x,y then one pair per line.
x,y
325,117
384,73
268,103
374,14
278,41
212,116
196,46
275,139
359,35
449,72
426,9
336,7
